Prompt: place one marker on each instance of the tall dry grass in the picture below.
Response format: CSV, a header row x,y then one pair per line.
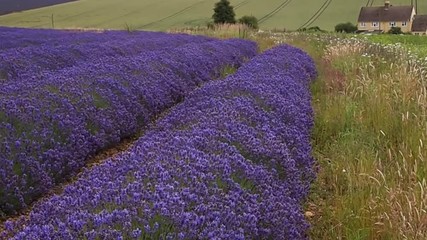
x,y
218,30
370,140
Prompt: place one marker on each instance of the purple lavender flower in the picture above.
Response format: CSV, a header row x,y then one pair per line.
x,y
232,161
79,104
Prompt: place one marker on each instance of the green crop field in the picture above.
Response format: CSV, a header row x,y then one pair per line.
x,y
166,14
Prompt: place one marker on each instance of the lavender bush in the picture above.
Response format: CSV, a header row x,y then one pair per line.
x,y
49,126
22,37
232,161
29,63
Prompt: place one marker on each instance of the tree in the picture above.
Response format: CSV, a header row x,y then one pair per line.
x,y
311,29
249,21
395,30
315,29
346,27
223,12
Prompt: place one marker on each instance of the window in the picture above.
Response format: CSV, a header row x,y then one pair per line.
x,y
404,24
362,24
375,24
392,24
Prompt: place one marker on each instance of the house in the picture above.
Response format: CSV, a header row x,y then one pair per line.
x,y
419,26
383,18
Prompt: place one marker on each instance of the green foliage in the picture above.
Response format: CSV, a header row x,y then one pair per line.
x,y
315,29
395,30
223,13
210,25
346,27
99,101
416,44
249,21
227,70
311,29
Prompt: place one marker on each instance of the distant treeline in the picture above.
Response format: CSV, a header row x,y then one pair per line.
x,y
8,6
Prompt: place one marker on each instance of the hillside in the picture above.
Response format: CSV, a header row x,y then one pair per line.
x,y
166,14
8,6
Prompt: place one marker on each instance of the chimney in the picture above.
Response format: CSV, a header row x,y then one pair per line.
x,y
386,4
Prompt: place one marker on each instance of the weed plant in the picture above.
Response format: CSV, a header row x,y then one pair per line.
x,y
369,139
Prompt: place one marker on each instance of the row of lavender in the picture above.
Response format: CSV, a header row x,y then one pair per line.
x,y
29,63
49,126
230,162
22,37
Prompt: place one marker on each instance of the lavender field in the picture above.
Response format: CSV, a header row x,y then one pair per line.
x,y
216,158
